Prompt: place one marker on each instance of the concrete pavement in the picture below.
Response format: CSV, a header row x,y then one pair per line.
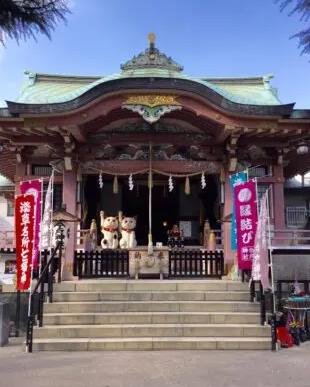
x,y
286,368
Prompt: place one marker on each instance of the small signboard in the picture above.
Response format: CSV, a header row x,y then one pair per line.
x,y
186,227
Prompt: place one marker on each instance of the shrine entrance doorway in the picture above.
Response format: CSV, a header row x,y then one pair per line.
x,y
168,208
165,209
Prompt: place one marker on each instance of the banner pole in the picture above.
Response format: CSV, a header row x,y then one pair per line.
x,y
234,271
17,316
40,241
270,250
30,287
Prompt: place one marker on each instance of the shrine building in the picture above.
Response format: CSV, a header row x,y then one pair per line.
x,y
103,134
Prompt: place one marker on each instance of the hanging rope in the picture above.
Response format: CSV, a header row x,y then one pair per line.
x,y
177,175
146,170
150,184
115,185
187,186
140,172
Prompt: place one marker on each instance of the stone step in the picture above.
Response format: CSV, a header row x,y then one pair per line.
x,y
149,285
152,330
152,296
152,318
152,343
151,306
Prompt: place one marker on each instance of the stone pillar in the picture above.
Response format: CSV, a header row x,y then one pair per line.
x,y
70,200
228,253
278,198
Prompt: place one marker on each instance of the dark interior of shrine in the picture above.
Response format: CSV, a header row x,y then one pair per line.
x,y
168,208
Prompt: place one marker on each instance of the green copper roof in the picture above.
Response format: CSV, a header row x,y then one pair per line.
x,y
56,89
49,89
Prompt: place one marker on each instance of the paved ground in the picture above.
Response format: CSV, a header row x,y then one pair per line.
x,y
286,368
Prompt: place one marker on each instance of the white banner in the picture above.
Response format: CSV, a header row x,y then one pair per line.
x,y
46,225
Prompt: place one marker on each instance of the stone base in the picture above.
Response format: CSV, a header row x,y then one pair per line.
x,y
143,265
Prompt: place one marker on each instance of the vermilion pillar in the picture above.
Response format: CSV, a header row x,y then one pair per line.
x,y
70,200
228,253
21,169
278,198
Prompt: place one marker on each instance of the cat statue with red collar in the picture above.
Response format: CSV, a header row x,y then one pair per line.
x,y
109,230
128,240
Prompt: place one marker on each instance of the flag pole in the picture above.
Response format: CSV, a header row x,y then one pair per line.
x,y
270,249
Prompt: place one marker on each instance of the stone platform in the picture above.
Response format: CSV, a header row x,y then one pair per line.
x,y
113,314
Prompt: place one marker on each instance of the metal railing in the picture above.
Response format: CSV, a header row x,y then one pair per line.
x,y
38,295
290,237
196,263
101,264
267,309
296,216
288,266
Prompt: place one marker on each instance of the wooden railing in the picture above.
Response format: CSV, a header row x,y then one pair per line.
x,y
101,264
196,263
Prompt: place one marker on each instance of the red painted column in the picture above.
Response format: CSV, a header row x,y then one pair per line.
x,y
21,169
278,198
70,200
228,253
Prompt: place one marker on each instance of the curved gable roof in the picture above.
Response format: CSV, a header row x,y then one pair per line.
x,y
49,89
151,69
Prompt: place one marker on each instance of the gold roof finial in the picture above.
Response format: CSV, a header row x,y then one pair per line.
x,y
151,37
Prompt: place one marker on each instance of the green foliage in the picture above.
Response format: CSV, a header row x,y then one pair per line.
x,y
23,19
301,7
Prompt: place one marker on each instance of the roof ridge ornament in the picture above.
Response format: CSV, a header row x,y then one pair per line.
x,y
151,58
151,107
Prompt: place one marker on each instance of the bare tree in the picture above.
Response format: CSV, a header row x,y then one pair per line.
x,y
23,19
301,7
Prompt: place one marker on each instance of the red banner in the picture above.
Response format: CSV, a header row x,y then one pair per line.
x,y
246,222
24,229
35,188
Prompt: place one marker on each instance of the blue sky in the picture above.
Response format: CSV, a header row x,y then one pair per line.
x,y
209,38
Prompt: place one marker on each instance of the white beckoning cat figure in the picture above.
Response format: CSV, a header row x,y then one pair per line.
x,y
109,229
128,240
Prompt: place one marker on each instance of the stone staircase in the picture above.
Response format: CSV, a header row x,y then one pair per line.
x,y
151,315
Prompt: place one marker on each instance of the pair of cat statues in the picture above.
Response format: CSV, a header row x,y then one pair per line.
x,y
111,226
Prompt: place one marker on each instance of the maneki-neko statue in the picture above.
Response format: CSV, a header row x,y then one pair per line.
x,y
128,239
109,230
175,237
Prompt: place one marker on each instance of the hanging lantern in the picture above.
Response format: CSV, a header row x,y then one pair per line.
x,y
302,148
130,182
203,181
100,181
170,184
187,186
115,185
